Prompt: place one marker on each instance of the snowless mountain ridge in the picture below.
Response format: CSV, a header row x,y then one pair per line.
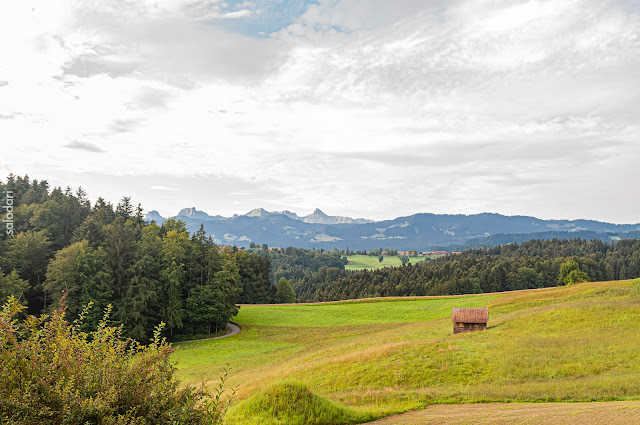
x,y
422,231
317,216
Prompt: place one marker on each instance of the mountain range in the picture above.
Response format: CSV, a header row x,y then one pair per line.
x,y
317,216
423,232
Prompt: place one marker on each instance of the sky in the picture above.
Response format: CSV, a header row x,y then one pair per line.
x,y
371,108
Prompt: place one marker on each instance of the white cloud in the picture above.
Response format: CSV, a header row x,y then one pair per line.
x,y
171,189
365,108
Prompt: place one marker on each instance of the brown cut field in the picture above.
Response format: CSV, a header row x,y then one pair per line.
x,y
609,413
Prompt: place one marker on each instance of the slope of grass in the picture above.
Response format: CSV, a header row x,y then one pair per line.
x,y
359,262
392,310
292,403
576,343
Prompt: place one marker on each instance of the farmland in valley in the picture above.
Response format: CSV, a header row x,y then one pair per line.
x,y
359,262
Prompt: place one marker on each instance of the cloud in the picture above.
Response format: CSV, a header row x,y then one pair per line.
x,y
83,146
172,189
175,42
125,125
237,14
367,108
214,193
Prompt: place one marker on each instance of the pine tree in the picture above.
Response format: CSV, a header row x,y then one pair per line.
x,y
175,249
285,294
140,307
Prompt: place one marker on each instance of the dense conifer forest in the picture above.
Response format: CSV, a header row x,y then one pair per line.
x,y
532,264
60,243
295,263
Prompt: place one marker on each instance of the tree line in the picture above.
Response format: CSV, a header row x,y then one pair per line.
x,y
294,263
62,244
532,264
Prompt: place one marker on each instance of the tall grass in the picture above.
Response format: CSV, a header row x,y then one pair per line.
x,y
292,403
576,343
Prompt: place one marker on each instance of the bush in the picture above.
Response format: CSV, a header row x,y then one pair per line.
x,y
53,373
576,276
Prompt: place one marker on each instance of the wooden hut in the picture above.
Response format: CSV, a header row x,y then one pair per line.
x,y
469,319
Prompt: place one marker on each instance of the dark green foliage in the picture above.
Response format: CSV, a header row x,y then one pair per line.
x,y
254,270
570,273
82,273
533,264
106,255
285,294
12,285
213,288
175,251
60,216
28,253
576,276
528,278
141,302
51,373
294,263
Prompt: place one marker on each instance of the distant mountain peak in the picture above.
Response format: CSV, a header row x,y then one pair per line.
x,y
320,217
195,214
154,215
288,213
188,212
258,212
316,217
422,231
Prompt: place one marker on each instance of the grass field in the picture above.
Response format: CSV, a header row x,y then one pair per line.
x,y
358,361
359,262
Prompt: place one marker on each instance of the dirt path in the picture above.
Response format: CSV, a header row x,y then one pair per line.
x,y
233,330
610,413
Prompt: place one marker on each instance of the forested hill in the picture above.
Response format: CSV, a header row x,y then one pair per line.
x,y
532,264
104,254
422,232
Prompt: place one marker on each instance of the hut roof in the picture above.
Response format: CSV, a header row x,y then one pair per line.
x,y
470,315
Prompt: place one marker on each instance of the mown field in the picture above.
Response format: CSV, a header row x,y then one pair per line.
x,y
352,362
610,413
359,262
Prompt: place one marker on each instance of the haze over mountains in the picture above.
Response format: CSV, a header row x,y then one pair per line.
x,y
317,216
419,231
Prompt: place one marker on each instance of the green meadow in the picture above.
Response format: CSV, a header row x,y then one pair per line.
x,y
351,362
359,262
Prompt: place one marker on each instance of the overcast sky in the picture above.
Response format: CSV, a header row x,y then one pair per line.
x,y
370,108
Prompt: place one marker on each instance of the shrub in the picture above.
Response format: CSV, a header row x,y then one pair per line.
x,y
53,373
576,276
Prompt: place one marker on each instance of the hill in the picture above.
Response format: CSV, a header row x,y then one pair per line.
x,y
423,232
384,356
